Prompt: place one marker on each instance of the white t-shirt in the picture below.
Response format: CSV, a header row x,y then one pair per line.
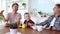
x,y
12,19
52,22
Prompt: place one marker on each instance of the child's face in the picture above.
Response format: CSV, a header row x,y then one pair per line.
x,y
26,16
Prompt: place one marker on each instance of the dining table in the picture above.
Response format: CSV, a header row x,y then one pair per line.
x,y
30,31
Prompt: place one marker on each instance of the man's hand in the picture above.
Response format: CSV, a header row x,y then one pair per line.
x,y
1,13
7,25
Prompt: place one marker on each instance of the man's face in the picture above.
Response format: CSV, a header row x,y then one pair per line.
x,y
15,7
56,10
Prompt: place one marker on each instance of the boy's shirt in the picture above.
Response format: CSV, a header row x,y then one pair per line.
x,y
26,22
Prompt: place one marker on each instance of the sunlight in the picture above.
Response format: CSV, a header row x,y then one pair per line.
x,y
57,1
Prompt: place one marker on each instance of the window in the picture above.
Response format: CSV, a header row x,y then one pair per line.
x,y
0,4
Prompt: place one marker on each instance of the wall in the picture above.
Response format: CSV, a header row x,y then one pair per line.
x,y
43,5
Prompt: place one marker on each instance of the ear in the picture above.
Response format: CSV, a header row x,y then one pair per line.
x,y
53,8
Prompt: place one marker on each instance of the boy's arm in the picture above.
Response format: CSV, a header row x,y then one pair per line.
x,y
31,23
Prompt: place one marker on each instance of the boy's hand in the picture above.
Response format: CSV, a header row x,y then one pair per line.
x,y
30,24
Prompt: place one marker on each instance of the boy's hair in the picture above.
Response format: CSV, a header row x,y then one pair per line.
x,y
15,4
26,13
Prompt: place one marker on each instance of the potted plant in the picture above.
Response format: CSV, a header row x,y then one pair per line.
x,y
24,4
40,12
1,18
13,28
2,24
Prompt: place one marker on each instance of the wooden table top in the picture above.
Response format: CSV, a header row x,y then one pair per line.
x,y
30,31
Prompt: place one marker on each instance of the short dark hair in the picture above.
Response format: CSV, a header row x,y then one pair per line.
x,y
15,4
26,13
58,5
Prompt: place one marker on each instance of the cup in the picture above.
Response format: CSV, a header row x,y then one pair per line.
x,y
39,28
13,31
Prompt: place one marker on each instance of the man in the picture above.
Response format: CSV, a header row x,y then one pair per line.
x,y
13,17
54,20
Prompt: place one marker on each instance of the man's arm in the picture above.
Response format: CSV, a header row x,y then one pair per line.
x,y
46,22
5,18
1,14
18,21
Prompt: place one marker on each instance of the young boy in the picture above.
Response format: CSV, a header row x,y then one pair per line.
x,y
28,21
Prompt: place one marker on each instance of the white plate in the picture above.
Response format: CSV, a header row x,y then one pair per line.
x,y
9,33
